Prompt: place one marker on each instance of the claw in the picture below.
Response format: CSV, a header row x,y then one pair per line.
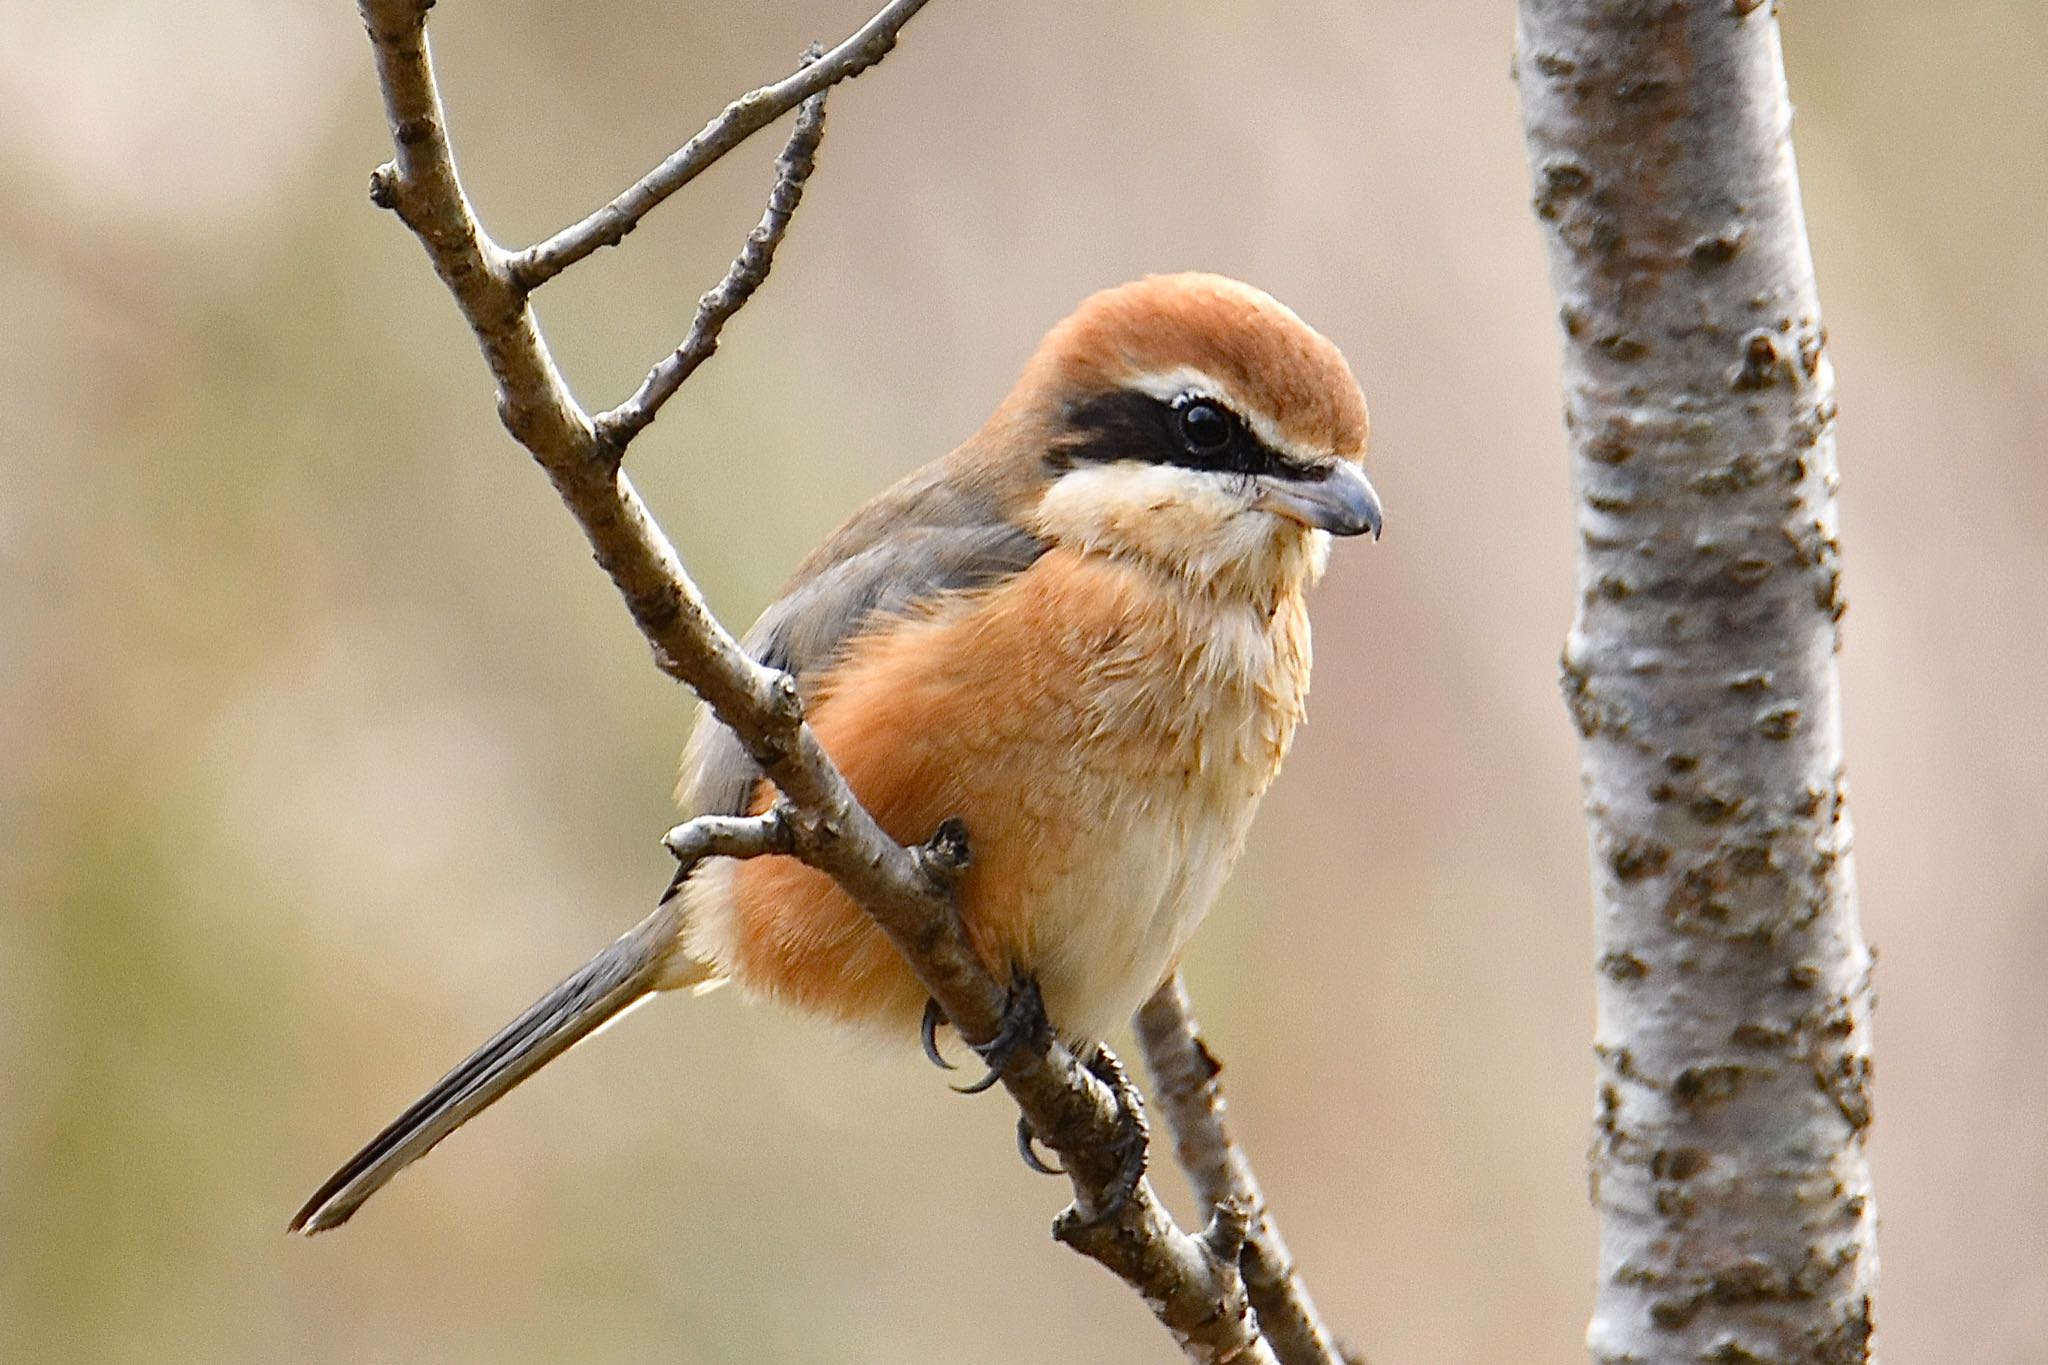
x,y
1132,1144
928,1033
1023,1021
987,1082
1027,1147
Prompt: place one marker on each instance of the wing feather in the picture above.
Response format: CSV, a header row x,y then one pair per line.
x,y
933,534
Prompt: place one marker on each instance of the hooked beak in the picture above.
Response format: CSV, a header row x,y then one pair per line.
x,y
1336,497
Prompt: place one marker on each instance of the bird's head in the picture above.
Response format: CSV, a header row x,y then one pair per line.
x,y
1193,423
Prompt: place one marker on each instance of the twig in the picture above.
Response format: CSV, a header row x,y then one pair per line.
x,y
615,429
728,836
740,120
1193,1291
1184,1079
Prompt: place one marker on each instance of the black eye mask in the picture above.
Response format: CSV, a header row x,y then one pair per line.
x,y
1192,431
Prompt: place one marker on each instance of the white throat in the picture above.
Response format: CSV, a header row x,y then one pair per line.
x,y
1196,525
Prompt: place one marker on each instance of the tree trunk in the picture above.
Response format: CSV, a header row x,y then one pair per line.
x,y
1728,1168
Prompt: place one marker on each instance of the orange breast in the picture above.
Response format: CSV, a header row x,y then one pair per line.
x,y
1060,715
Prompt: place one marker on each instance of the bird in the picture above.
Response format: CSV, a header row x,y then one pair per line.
x,y
1082,635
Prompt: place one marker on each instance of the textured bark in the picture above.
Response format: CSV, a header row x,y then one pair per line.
x,y
1728,1167
1189,1281
1188,1091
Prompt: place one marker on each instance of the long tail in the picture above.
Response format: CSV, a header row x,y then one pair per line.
x,y
616,979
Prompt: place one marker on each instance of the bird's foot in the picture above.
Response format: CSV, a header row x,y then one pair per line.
x,y
1023,1021
1131,1145
1023,1024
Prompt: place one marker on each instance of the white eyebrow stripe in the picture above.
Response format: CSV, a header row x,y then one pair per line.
x,y
1167,385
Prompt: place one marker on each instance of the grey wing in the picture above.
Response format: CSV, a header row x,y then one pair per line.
x,y
941,530
897,553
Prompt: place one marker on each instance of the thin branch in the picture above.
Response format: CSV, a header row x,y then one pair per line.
x,y
617,428
1193,1291
741,119
1186,1089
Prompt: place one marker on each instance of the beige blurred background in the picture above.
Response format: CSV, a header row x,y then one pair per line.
x,y
324,748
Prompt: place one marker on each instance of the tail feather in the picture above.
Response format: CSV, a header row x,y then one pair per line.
x,y
602,989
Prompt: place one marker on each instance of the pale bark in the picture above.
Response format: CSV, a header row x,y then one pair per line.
x,y
1190,1281
1736,1216
1187,1086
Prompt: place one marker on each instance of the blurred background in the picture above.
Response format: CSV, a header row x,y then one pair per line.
x,y
324,747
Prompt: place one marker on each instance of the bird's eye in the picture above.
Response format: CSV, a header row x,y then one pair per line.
x,y
1204,428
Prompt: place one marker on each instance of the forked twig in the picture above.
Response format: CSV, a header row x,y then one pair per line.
x,y
799,157
740,120
1190,1282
